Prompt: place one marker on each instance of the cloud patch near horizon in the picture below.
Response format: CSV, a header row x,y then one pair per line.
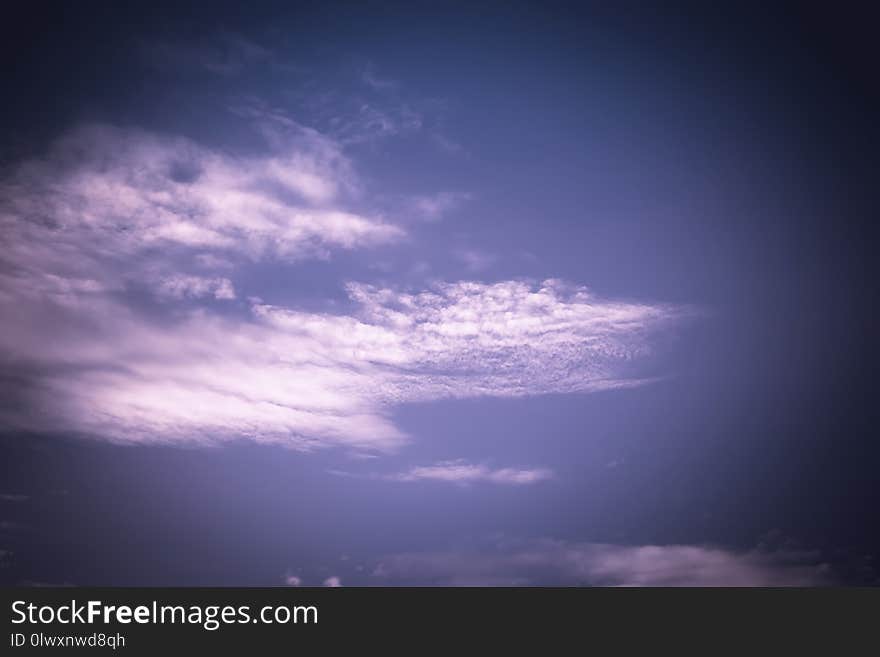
x,y
560,563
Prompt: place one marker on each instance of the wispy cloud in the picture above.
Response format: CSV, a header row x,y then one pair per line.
x,y
333,582
225,54
111,216
475,260
105,196
374,121
558,563
182,286
461,472
375,81
305,379
432,207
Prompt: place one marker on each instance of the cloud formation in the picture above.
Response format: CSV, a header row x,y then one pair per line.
x,y
182,286
557,563
105,195
224,54
461,472
475,260
306,379
14,497
112,220
432,207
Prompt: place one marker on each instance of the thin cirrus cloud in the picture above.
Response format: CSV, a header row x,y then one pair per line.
x,y
13,497
111,214
183,286
432,207
225,54
462,473
560,563
475,260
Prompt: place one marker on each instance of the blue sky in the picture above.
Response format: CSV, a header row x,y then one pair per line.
x,y
386,297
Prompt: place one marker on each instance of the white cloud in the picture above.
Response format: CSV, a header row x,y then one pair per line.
x,y
99,367
558,563
181,286
462,472
104,197
333,582
292,580
110,212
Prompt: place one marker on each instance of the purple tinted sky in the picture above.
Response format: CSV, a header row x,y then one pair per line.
x,y
410,297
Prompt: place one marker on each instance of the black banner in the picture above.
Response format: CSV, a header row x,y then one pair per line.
x,y
276,620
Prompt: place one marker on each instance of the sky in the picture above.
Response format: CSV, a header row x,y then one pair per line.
x,y
380,294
